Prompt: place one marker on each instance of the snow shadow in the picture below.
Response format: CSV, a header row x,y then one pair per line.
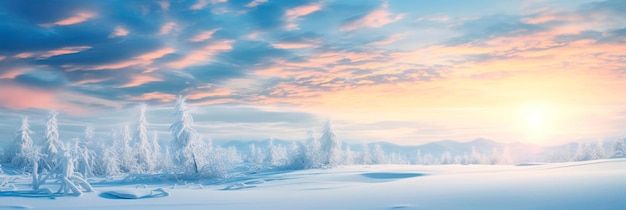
x,y
135,193
391,176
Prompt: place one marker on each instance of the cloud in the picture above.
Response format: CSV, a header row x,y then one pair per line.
x,y
255,3
292,15
138,80
206,35
202,55
200,4
391,39
78,18
165,29
119,31
14,97
375,19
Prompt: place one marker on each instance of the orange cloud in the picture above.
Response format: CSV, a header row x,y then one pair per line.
x,y
375,19
202,55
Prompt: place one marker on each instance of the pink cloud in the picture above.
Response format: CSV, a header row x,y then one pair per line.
x,y
290,45
389,40
24,55
148,57
78,18
293,14
165,29
375,19
138,80
119,31
163,97
434,18
63,51
164,5
209,93
87,81
202,55
141,60
255,3
12,73
206,35
18,97
2,57
200,4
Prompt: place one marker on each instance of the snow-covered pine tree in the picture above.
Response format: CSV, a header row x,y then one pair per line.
x,y
618,149
598,152
584,152
185,138
378,155
312,151
51,143
156,151
366,157
17,153
125,151
330,146
298,158
348,156
142,148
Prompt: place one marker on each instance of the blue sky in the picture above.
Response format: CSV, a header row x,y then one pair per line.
x,y
407,72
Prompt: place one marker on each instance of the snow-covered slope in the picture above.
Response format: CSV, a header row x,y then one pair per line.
x,y
581,185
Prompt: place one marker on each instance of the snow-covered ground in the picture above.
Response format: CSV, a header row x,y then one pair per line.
x,y
596,184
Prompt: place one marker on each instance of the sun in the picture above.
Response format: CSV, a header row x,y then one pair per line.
x,y
536,118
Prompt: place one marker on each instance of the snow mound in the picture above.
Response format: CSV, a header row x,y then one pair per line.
x,y
391,175
135,193
238,186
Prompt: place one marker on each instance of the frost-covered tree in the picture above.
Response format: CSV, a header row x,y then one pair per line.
x,y
255,159
156,150
366,158
584,152
348,156
276,155
505,157
142,147
313,150
378,155
51,141
330,146
619,148
17,154
220,162
298,158
125,151
598,152
185,138
446,158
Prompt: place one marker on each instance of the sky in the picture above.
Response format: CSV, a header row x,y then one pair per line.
x,y
401,71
